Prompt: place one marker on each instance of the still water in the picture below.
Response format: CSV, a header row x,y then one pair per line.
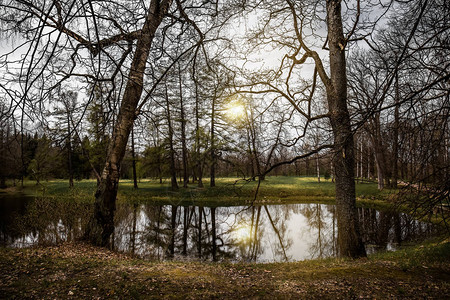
x,y
266,233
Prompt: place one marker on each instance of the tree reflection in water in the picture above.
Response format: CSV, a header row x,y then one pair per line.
x,y
322,224
255,233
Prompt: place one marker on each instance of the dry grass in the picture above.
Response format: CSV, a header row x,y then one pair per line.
x,y
83,271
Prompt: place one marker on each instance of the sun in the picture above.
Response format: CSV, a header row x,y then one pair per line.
x,y
242,233
235,110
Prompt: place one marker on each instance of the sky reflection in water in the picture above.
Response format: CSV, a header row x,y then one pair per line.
x,y
267,233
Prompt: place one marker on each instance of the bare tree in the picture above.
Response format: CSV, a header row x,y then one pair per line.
x,y
301,95
81,39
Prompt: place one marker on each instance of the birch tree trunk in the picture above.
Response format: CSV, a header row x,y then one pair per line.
x,y
133,156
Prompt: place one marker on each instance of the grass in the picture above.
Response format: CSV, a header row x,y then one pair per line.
x,y
83,271
76,270
228,191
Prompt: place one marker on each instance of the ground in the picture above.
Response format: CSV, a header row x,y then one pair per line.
x,y
77,270
228,191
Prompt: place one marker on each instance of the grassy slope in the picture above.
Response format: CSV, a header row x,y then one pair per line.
x,y
82,271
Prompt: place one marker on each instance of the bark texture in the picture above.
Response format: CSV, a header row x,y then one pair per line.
x,y
349,238
101,226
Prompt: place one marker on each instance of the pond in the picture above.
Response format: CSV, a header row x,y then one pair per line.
x,y
263,233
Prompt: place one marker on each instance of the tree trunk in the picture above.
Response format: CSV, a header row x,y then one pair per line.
x,y
185,228
3,160
133,231
380,173
255,151
199,232
133,156
22,146
349,238
251,142
307,166
101,225
173,173
250,152
173,228
213,229
318,168
332,171
212,182
69,149
183,133
255,235
396,127
361,162
379,159
357,163
198,161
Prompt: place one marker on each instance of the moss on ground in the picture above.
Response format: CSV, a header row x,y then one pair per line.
x,y
82,271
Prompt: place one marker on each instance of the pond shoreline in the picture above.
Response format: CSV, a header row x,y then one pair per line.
x,y
260,233
77,270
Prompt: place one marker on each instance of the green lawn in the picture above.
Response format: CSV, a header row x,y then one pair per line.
x,y
228,191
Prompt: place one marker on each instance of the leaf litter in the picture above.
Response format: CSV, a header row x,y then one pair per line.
x,y
77,270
